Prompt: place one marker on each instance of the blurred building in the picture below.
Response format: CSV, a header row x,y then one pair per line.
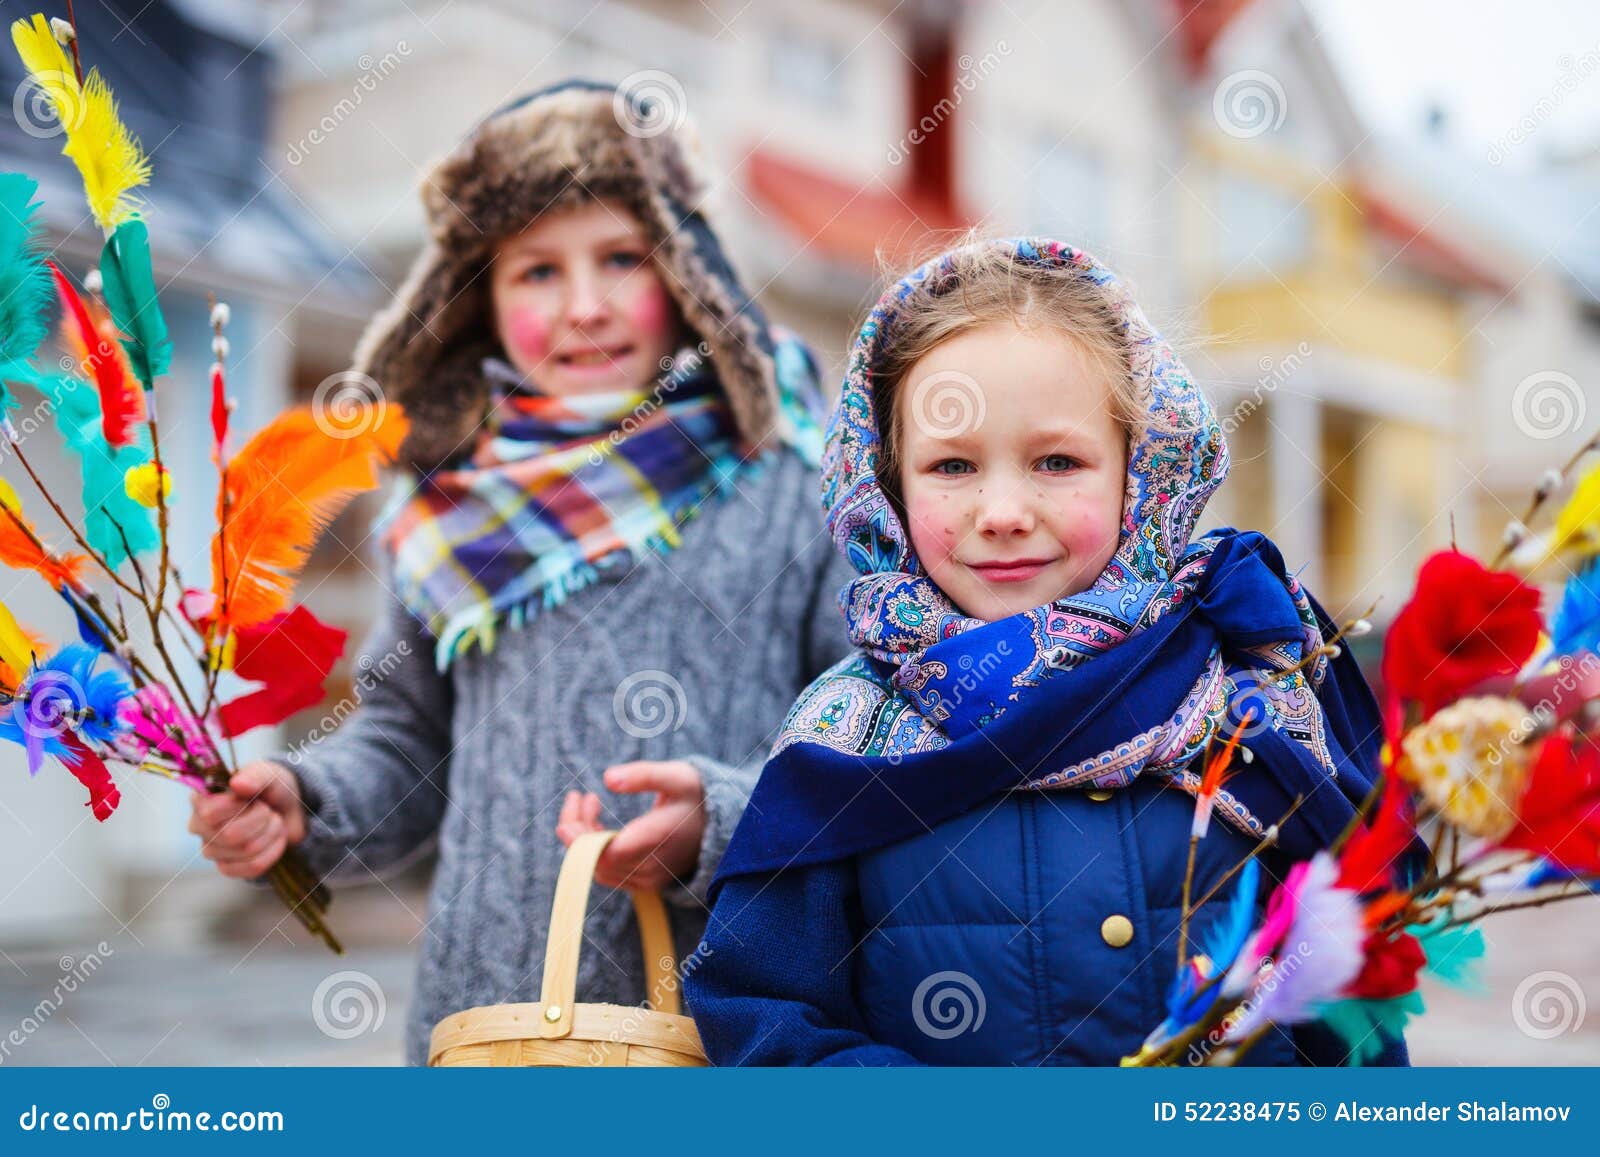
x,y
1372,318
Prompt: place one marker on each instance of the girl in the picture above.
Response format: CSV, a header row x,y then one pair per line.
x,y
605,580
972,816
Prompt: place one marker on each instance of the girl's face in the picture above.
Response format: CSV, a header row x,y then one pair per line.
x,y
1012,468
579,306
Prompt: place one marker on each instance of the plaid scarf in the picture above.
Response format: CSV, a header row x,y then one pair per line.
x,y
560,490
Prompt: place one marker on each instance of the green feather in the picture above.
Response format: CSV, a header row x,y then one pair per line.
x,y
1453,953
112,521
26,290
1359,1022
130,293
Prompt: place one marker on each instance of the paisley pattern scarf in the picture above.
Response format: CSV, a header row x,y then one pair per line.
x,y
926,675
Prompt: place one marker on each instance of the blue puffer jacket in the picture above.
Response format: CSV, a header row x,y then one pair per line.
x,y
1038,929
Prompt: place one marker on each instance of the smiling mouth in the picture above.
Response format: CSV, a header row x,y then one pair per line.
x,y
1018,571
590,358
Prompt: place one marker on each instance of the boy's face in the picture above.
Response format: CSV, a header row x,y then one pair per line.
x,y
1013,468
579,306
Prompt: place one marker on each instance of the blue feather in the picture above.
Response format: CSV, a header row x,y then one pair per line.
x,y
1545,872
1577,620
95,694
1222,942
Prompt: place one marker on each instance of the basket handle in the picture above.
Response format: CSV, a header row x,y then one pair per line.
x,y
560,990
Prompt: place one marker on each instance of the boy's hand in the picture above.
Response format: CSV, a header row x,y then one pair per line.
x,y
245,829
663,844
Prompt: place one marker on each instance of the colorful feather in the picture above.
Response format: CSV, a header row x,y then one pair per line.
x,y
1211,781
154,724
113,522
17,647
1455,955
95,691
1359,1023
1578,525
283,487
1220,945
121,401
1318,954
108,157
88,770
129,285
219,413
290,655
1368,860
24,281
1576,626
20,546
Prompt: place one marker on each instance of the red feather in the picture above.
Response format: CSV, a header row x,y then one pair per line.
x,y
1558,816
120,394
87,769
1374,849
290,655
219,411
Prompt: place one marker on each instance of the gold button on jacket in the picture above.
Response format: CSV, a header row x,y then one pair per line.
x,y
1116,930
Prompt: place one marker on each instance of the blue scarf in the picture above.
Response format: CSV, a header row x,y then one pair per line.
x,y
1180,638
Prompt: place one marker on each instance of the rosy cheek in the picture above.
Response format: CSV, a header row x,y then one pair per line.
x,y
649,314
527,332
934,531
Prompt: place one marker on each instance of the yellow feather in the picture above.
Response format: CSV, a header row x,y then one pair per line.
x,y
108,157
47,61
16,649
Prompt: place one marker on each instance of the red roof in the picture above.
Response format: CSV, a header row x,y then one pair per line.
x,y
851,223
1421,249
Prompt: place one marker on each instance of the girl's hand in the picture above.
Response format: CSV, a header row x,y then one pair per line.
x,y
661,845
245,829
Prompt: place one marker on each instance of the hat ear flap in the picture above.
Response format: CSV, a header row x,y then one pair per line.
x,y
424,350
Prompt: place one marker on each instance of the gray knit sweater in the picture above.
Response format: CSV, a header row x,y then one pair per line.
x,y
740,618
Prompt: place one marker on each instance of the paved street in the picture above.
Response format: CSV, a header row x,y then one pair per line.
x,y
253,999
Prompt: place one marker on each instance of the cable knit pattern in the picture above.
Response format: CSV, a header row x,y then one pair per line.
x,y
742,616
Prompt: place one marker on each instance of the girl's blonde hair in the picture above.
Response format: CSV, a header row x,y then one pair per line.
x,y
982,284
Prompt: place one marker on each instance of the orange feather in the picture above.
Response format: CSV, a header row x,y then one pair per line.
x,y
282,489
20,546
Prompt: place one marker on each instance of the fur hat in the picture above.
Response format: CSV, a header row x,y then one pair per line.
x,y
574,142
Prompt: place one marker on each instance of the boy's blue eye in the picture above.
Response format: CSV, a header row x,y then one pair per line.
x,y
1058,463
953,466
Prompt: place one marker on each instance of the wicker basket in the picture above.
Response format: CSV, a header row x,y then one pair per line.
x,y
559,1032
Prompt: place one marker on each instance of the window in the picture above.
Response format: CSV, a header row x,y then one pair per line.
x,y
1262,227
1066,194
807,66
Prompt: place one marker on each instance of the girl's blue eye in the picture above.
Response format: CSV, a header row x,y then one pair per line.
x,y
543,271
626,260
961,466
1058,463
